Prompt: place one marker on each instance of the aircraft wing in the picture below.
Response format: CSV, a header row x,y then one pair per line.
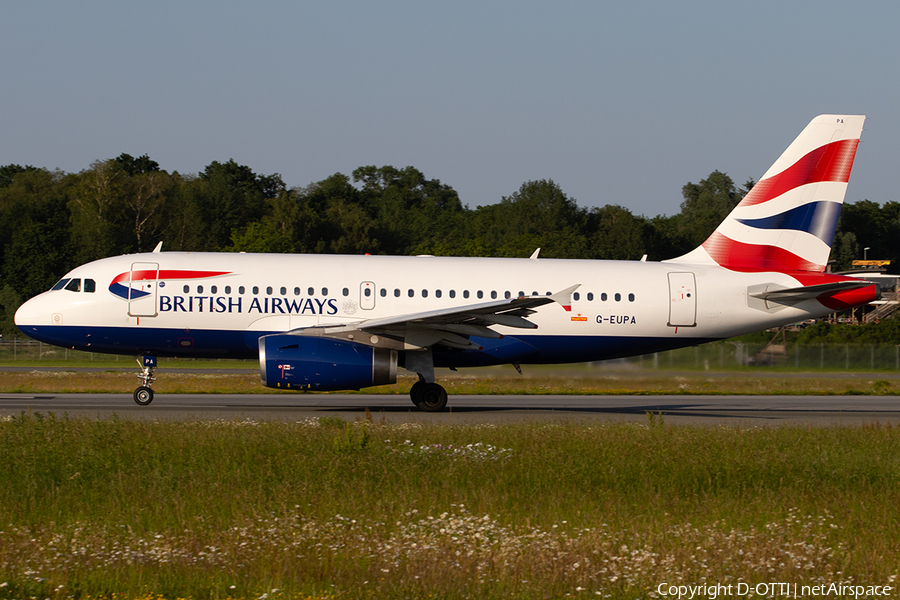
x,y
449,327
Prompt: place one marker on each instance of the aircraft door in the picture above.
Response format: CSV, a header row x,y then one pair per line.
x,y
682,300
142,289
367,295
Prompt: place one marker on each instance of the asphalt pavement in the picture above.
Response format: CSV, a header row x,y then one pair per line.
x,y
738,411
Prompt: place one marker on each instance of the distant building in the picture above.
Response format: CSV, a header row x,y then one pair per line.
x,y
871,265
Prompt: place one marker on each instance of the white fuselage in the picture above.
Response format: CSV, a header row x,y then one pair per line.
x,y
216,304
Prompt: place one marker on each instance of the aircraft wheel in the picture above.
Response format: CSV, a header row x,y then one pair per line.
x,y
416,391
432,397
143,395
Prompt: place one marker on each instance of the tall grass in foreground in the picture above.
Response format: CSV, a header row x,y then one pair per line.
x,y
367,510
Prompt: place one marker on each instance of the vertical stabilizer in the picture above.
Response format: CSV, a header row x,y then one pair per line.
x,y
787,221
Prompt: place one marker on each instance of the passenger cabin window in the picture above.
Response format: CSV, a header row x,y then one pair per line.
x,y
345,292
283,291
199,289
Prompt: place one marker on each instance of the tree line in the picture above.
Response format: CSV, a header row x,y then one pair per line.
x,y
52,221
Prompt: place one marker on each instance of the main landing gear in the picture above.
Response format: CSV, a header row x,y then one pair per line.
x,y
425,393
144,394
430,397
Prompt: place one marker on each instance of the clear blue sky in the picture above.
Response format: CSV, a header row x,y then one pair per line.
x,y
619,103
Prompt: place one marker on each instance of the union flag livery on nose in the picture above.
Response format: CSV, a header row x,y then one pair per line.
x,y
125,292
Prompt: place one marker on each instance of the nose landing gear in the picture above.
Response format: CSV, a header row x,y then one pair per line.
x,y
144,394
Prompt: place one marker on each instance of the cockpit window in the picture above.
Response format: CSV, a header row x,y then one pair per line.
x,y
89,286
74,285
60,284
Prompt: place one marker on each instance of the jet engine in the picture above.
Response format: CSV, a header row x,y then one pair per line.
x,y
321,364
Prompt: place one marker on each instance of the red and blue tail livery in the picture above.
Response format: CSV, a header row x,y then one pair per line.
x,y
787,221
328,322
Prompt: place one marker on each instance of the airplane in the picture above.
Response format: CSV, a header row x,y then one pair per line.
x,y
330,322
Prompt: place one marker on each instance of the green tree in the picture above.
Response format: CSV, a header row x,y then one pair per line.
x,y
410,211
329,217
706,204
844,250
136,166
539,214
97,205
617,234
277,232
35,243
8,173
228,197
873,226
10,301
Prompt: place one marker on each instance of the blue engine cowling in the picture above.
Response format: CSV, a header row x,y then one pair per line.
x,y
313,363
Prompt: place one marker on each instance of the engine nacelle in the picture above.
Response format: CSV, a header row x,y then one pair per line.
x,y
313,363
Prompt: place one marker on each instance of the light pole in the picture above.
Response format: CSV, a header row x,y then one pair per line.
x,y
866,253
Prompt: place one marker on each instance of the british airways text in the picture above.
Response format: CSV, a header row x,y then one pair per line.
x,y
228,304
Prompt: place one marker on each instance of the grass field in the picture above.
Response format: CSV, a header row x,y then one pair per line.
x,y
330,509
544,380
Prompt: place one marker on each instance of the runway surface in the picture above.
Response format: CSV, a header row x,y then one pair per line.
x,y
749,411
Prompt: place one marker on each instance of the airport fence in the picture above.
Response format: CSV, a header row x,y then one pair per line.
x,y
731,355
19,349
716,356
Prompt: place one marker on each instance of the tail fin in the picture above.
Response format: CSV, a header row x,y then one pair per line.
x,y
787,221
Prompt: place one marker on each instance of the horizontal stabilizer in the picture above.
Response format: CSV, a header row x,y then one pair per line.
x,y
810,292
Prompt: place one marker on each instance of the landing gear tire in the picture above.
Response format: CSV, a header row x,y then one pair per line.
x,y
143,395
431,397
415,391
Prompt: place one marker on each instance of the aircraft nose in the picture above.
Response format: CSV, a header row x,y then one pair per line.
x,y
28,314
